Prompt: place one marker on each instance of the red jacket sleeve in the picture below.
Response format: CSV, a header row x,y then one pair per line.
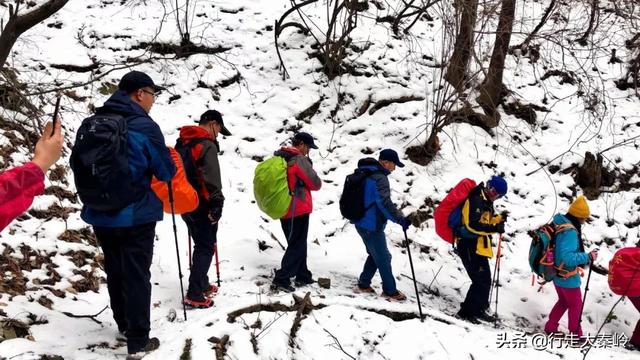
x,y
18,187
303,170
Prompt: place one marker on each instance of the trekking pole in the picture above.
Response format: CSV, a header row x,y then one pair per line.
x,y
586,290
498,274
190,261
175,235
215,250
495,269
413,274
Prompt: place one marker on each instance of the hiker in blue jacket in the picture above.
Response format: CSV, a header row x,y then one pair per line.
x,y
126,236
569,256
379,209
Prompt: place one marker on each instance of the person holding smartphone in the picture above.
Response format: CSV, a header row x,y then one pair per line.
x,y
19,185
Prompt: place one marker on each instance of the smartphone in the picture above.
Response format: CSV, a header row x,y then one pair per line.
x,y
55,115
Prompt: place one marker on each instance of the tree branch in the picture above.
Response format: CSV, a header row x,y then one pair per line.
x,y
18,24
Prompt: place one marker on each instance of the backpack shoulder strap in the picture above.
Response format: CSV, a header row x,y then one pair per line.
x,y
556,229
563,227
189,145
368,173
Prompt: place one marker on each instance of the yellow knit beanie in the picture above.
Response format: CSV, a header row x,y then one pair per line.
x,y
580,208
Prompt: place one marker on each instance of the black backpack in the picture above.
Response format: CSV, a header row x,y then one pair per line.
x,y
190,166
352,205
100,163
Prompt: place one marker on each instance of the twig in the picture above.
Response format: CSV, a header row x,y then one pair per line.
x,y
435,277
337,344
304,307
279,27
92,317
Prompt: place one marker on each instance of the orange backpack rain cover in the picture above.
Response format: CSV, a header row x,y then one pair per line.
x,y
185,197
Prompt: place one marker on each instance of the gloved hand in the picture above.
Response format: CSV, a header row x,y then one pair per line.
x,y
405,223
215,210
593,255
505,215
500,228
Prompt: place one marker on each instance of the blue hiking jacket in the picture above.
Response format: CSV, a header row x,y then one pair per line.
x,y
567,253
148,155
377,198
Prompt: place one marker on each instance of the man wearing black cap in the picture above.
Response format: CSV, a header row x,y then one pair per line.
x,y
198,147
126,234
295,224
379,209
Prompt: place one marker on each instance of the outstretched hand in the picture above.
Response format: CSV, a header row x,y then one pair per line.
x,y
49,147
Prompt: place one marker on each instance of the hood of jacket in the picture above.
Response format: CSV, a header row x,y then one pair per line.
x,y
287,152
122,104
370,163
191,132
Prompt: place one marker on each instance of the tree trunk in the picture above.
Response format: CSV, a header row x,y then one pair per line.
x,y
18,24
592,22
459,61
491,88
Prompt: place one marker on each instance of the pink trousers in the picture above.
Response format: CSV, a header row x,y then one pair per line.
x,y
569,300
635,338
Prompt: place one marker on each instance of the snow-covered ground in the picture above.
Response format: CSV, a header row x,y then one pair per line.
x,y
260,110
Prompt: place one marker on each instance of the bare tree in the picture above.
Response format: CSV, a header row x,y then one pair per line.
x,y
592,23
463,48
524,44
184,11
491,89
19,23
417,11
332,43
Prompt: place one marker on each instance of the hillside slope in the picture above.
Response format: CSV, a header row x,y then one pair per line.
x,y
262,111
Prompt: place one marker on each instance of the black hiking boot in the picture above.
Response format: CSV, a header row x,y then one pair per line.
x,y
462,315
152,345
281,287
486,317
300,283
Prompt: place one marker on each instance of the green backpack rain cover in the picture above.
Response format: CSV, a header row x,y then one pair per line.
x,y
271,187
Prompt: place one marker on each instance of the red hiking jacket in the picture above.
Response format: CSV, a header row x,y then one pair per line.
x,y
18,187
302,178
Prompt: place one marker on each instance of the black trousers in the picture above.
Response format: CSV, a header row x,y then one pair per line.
x,y
204,235
127,261
294,261
479,272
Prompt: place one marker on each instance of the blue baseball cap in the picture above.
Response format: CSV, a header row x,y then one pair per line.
x,y
306,138
390,155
